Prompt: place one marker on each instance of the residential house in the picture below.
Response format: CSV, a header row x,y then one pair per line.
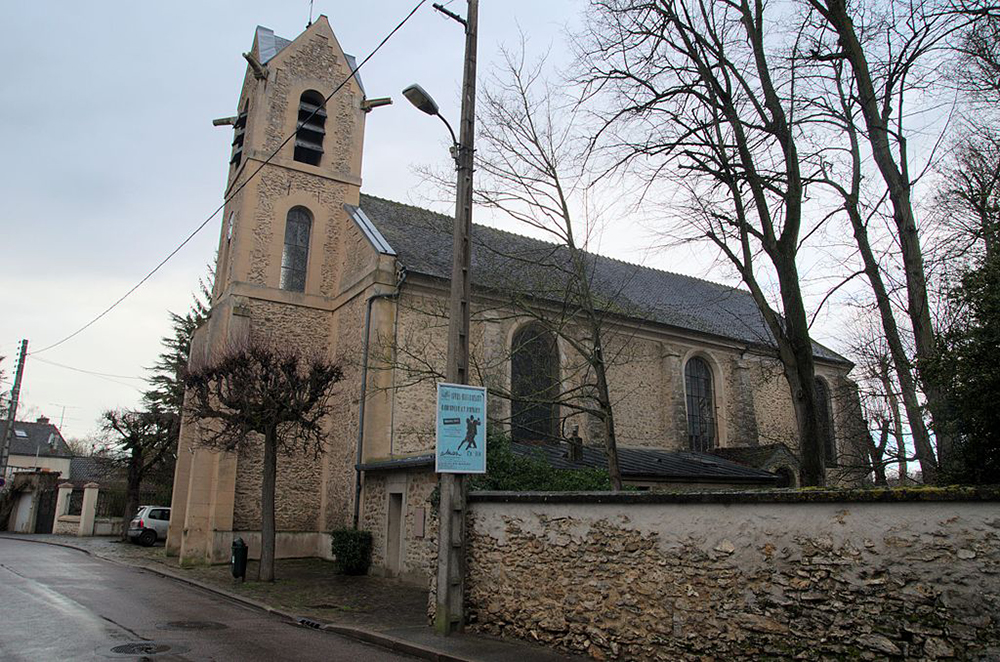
x,y
38,446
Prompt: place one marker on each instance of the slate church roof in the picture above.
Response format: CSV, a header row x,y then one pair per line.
x,y
421,239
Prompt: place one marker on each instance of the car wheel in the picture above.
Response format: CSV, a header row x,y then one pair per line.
x,y
147,538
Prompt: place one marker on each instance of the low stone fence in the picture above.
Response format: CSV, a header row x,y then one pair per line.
x,y
769,575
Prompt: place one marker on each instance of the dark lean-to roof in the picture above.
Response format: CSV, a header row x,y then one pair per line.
x,y
41,438
637,464
649,464
503,261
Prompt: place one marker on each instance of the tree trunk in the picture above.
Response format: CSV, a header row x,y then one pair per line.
x,y
897,422
586,299
611,443
898,186
907,385
266,568
132,485
877,454
796,349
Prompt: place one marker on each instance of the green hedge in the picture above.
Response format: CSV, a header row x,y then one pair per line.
x,y
353,551
507,471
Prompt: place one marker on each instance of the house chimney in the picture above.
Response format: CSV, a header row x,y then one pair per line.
x,y
575,445
43,420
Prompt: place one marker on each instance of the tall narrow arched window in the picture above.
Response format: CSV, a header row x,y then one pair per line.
x,y
295,256
824,421
534,369
310,128
700,393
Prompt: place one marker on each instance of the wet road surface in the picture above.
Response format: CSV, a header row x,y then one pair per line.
x,y
61,604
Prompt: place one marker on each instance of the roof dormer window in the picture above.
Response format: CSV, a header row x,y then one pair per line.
x,y
310,128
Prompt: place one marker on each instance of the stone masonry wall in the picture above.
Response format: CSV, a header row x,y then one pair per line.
x,y
646,375
670,577
419,553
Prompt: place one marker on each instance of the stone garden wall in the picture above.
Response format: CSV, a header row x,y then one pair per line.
x,y
777,575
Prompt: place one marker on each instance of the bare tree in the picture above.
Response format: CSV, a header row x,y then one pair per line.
x,y
978,70
144,441
880,398
258,393
892,49
530,172
703,92
968,202
835,108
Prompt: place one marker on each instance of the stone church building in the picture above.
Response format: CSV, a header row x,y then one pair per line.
x,y
306,260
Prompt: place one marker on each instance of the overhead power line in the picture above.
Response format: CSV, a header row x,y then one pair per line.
x,y
231,194
114,379
88,372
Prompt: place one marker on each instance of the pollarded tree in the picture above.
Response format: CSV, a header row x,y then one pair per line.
x,y
258,393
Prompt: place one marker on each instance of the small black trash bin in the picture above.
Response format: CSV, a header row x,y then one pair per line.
x,y
238,561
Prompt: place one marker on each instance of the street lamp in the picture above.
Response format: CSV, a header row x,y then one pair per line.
x,y
450,612
423,102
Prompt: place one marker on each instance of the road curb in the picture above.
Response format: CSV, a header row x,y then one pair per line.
x,y
395,644
361,634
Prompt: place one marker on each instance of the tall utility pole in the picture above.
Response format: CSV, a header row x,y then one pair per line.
x,y
15,393
450,613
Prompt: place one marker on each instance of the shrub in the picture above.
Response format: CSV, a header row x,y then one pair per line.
x,y
353,551
508,471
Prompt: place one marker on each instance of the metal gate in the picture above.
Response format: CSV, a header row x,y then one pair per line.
x,y
46,511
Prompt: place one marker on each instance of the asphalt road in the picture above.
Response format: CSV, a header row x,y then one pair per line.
x,y
61,604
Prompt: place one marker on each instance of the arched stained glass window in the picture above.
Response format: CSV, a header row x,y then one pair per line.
x,y
534,369
699,390
825,421
295,256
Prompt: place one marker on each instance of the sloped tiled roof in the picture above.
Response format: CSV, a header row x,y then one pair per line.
x,y
94,470
753,456
649,463
41,438
636,464
504,261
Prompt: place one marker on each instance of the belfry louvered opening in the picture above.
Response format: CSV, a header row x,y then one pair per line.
x,y
239,130
311,128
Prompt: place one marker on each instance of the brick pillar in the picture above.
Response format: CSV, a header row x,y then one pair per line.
x,y
89,511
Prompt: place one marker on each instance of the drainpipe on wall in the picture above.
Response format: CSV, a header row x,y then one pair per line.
x,y
364,388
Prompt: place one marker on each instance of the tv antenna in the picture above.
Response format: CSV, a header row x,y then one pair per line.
x,y
310,14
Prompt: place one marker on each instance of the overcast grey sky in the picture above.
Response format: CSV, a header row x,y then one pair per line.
x,y
112,160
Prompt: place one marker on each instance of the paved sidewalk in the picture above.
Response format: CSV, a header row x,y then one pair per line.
x,y
309,591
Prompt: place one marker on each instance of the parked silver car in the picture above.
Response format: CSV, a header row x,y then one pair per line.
x,y
149,525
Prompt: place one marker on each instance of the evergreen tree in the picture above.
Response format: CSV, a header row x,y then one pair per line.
x,y
167,387
966,370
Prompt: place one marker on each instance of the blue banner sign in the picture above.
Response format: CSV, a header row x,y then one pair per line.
x,y
461,429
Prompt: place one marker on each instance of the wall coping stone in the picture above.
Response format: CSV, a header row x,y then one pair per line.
x,y
989,493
